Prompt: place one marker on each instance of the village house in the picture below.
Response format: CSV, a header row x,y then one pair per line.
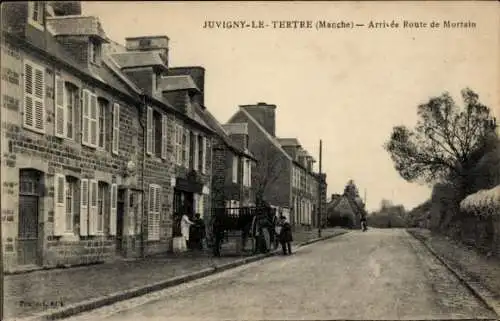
x,y
100,147
284,177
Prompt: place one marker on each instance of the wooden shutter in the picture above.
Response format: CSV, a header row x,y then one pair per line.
x,y
116,128
94,124
151,211
93,190
60,110
29,112
59,204
86,117
164,140
112,216
204,156
195,153
39,98
187,147
84,207
149,131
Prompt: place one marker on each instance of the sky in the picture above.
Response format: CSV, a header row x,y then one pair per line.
x,y
347,87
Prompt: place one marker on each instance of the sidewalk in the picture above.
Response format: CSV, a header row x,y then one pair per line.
x,y
31,293
478,271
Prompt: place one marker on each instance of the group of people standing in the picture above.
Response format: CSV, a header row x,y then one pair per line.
x,y
194,233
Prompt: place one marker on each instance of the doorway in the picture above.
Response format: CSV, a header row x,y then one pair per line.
x,y
29,208
120,213
183,204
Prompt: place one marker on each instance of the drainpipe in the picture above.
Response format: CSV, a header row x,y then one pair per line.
x,y
143,167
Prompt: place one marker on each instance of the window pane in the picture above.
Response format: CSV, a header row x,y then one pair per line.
x,y
102,124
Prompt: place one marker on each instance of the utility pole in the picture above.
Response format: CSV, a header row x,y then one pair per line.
x,y
320,187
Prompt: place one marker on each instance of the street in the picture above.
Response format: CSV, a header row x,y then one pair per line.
x,y
380,274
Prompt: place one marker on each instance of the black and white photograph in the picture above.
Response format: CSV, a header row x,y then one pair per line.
x,y
250,160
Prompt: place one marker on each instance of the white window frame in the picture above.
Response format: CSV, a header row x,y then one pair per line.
x,y
235,169
37,102
70,194
154,208
113,199
38,23
88,98
101,192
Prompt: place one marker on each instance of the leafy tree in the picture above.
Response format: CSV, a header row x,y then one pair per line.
x,y
446,143
351,190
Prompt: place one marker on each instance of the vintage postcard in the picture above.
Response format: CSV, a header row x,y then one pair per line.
x,y
250,160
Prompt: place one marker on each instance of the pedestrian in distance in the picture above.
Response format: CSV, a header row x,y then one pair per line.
x,y
185,227
285,236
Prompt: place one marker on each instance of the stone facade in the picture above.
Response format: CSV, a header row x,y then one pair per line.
x,y
90,167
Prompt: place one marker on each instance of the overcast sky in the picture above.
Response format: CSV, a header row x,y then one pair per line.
x,y
348,87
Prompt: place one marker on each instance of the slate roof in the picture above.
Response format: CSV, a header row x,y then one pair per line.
x,y
181,82
219,129
138,59
289,141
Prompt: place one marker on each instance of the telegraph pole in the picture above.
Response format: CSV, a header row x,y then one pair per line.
x,y
320,187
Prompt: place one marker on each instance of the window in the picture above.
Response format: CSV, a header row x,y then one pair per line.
x,y
204,156
154,212
94,51
200,153
70,203
71,93
102,206
103,118
35,14
34,97
179,133
185,148
235,169
157,133
90,119
195,151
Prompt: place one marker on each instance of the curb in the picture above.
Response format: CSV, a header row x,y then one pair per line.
x,y
99,302
482,294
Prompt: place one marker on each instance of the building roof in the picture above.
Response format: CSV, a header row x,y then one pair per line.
x,y
219,129
135,59
358,210
173,83
289,141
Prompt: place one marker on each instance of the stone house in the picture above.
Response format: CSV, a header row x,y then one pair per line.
x,y
349,210
100,147
284,176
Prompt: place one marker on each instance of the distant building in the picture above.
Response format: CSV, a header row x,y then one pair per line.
x,y
284,176
349,210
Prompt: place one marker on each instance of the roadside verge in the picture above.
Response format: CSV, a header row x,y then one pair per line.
x,y
475,286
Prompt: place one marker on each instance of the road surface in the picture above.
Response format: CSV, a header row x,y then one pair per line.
x,y
380,274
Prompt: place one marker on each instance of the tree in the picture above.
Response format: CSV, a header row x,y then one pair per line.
x,y
446,143
269,168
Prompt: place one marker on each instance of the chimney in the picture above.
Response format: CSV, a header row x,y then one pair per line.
x,y
197,73
149,43
265,114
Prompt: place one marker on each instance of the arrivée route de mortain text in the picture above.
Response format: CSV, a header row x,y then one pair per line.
x,y
326,24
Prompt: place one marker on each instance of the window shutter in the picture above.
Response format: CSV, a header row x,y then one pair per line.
x,y
60,110
93,190
94,124
40,99
149,130
86,117
204,156
152,212
196,153
28,96
164,141
116,128
59,204
112,216
84,207
187,147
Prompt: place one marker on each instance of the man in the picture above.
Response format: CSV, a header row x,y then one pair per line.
x,y
286,236
199,231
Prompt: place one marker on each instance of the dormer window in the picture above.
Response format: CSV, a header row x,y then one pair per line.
x,y
94,51
35,14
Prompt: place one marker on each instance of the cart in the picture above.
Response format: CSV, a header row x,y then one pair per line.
x,y
256,224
